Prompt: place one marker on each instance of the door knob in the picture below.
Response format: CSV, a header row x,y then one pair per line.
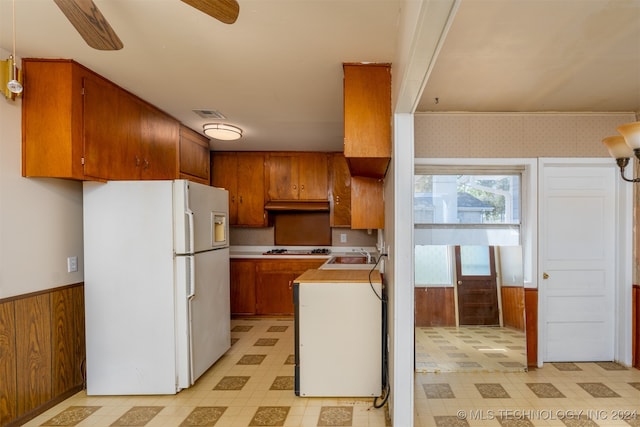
x,y
545,276
459,282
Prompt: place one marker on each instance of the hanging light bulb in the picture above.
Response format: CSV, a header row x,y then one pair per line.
x,y
13,85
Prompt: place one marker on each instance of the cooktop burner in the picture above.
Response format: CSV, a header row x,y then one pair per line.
x,y
319,251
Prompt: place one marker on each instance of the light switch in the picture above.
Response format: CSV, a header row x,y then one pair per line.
x,y
72,264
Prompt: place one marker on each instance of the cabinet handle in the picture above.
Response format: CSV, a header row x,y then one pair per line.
x,y
302,187
240,199
137,161
233,199
289,284
146,164
545,276
295,187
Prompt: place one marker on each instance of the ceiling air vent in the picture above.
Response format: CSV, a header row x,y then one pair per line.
x,y
209,114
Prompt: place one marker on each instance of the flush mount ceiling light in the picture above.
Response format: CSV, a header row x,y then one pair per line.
x,y
222,131
624,147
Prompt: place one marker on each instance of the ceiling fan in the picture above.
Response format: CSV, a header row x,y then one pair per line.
x,y
87,19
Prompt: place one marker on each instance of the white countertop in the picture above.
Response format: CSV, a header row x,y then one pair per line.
x,y
258,252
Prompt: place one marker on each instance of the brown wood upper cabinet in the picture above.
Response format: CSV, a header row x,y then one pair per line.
x,y
367,203
243,175
195,163
79,125
340,191
298,176
367,118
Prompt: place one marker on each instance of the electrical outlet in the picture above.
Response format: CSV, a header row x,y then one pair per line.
x,y
343,237
72,264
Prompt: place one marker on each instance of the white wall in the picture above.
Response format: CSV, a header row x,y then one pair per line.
x,y
40,218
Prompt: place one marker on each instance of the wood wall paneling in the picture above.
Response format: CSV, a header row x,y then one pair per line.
x,y
636,327
531,314
42,351
33,345
8,392
513,310
66,351
434,306
80,338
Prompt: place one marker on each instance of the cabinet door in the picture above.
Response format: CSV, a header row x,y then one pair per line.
x,y
274,284
274,293
54,119
367,203
250,189
243,287
367,118
159,140
313,173
194,156
283,177
224,174
340,191
111,143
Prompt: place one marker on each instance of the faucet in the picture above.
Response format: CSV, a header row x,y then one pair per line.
x,y
367,254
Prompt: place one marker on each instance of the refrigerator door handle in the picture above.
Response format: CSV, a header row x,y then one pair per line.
x,y
190,230
191,277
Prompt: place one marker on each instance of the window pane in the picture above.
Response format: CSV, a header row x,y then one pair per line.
x,y
433,265
506,235
467,199
474,261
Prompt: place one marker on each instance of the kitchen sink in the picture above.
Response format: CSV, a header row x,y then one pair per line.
x,y
351,262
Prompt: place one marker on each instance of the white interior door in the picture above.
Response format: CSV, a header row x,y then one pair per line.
x,y
577,271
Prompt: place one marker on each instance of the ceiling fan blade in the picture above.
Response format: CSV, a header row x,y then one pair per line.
x,y
90,23
223,10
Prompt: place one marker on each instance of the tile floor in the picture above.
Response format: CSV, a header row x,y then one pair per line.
x,y
559,394
470,349
252,385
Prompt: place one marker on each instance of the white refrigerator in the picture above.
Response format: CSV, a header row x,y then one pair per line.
x,y
156,257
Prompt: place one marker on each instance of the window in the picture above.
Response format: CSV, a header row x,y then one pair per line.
x,y
465,209
468,209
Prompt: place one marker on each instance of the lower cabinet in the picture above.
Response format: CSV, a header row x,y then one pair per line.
x,y
265,287
243,286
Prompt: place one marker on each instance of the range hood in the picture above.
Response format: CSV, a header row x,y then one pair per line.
x,y
297,206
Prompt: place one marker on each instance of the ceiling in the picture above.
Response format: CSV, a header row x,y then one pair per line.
x,y
277,71
538,55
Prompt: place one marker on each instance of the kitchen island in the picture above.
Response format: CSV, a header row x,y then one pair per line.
x,y
339,333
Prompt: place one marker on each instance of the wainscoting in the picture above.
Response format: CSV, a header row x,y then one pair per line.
x,y
42,351
434,306
636,326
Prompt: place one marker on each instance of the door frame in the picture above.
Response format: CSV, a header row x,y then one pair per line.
x,y
623,257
